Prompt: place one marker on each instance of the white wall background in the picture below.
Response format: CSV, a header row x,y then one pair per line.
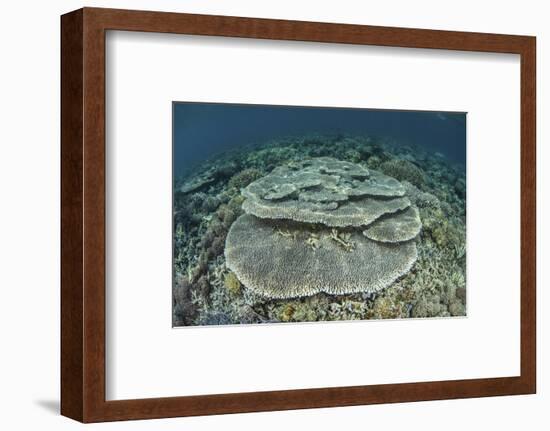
x,y
29,216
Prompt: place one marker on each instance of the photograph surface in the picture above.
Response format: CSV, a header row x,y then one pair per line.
x,y
307,214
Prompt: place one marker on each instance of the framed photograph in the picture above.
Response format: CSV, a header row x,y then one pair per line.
x,y
267,215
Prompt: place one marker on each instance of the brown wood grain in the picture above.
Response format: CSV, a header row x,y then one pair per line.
x,y
528,217
72,305
83,214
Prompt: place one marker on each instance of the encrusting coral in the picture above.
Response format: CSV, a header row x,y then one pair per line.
x,y
232,283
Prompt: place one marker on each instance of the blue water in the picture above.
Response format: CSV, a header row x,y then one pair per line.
x,y
201,130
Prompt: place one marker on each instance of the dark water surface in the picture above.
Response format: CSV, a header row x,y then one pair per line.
x,y
202,130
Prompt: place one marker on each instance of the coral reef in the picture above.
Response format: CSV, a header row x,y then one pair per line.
x,y
244,178
404,170
198,182
208,201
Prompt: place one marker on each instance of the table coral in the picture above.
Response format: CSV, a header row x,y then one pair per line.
x,y
303,216
324,190
286,266
402,226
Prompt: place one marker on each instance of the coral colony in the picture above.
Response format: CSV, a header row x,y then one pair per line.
x,y
322,225
319,228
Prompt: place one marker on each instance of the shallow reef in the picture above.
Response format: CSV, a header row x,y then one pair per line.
x,y
213,197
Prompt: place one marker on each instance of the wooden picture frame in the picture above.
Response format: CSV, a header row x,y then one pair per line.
x,y
83,214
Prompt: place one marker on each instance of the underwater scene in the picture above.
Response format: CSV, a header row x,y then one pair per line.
x,y
304,214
